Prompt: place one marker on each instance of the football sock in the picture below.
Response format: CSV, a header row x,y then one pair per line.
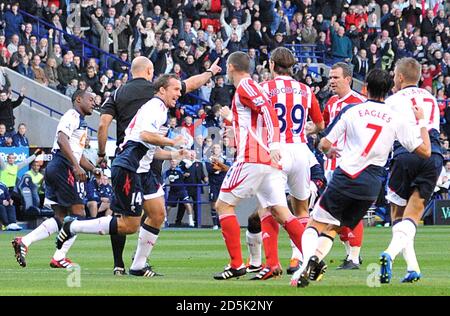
x,y
48,227
296,254
118,245
270,229
324,244
61,253
403,233
254,248
310,240
146,241
232,235
354,254
100,226
295,231
409,254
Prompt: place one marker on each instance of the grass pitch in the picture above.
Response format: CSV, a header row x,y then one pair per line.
x,y
189,258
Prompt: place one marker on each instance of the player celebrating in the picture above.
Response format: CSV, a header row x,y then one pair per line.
x,y
294,101
340,83
65,178
371,129
412,178
257,137
135,185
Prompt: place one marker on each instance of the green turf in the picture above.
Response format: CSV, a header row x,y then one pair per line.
x,y
189,258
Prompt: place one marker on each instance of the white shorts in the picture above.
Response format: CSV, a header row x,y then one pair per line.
x,y
245,180
297,161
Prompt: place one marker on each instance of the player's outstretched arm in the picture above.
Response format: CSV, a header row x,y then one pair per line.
x,y
88,166
162,154
159,140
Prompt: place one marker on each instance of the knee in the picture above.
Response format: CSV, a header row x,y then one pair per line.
x,y
254,223
128,228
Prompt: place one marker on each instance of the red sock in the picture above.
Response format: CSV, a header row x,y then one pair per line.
x,y
295,231
232,235
303,221
270,229
343,235
355,237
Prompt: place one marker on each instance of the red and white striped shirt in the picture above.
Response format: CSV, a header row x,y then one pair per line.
x,y
255,123
332,109
294,101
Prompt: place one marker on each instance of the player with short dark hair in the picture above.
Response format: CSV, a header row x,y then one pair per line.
x,y
65,178
371,129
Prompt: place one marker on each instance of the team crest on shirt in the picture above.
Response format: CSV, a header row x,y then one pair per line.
x,y
258,101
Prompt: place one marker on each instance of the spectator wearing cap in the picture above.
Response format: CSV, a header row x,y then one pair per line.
x,y
19,139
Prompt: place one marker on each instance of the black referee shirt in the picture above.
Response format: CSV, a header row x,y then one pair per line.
x,y
124,103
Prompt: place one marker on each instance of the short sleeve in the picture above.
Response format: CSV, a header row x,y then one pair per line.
x,y
69,123
338,129
408,136
109,106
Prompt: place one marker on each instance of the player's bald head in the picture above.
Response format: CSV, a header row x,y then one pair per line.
x,y
141,67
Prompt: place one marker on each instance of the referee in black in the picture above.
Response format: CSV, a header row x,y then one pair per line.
x,y
122,105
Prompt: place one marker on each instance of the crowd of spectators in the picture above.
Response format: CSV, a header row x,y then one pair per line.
x,y
185,36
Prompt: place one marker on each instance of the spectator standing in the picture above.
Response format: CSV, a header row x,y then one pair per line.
x,y
7,107
66,72
221,93
13,19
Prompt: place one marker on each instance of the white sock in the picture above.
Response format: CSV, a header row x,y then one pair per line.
x,y
324,246
410,257
254,247
191,219
146,241
310,240
354,254
61,253
93,226
347,247
48,227
402,234
296,254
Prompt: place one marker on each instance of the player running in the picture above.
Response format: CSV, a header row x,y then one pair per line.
x,y
65,178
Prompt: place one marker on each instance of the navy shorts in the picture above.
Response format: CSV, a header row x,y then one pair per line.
x,y
409,171
177,196
130,189
61,186
214,191
347,210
